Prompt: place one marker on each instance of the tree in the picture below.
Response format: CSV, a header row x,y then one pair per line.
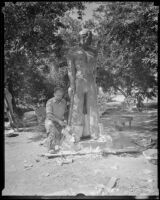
x,y
33,46
127,58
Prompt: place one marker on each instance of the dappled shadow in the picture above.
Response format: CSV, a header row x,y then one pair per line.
x,y
144,127
37,138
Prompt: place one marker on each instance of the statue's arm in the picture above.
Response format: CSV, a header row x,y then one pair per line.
x,y
71,73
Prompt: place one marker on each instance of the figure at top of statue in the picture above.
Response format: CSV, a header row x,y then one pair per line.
x,y
86,41
85,38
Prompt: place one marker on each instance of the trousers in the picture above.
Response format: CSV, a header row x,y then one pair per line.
x,y
54,135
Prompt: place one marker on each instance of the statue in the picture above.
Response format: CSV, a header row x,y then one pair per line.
x,y
83,116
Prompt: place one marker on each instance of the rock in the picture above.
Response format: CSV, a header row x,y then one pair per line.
x,y
11,133
100,189
151,155
7,125
104,138
77,147
41,114
46,174
147,171
96,171
112,182
110,185
41,155
43,142
67,161
115,167
57,148
37,160
29,115
30,124
52,151
28,166
150,180
59,161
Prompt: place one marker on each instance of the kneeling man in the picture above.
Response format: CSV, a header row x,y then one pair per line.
x,y
54,123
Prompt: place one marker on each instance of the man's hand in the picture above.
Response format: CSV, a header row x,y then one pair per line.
x,y
62,123
70,91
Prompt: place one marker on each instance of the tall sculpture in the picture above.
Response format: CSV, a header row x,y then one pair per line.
x,y
83,117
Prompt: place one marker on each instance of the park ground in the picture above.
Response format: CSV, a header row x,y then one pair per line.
x,y
28,173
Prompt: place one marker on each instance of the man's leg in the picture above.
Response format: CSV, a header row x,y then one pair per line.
x,y
53,134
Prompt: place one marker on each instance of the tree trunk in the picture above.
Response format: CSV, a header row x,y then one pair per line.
x,y
122,92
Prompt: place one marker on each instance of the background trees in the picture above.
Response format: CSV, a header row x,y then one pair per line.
x,y
37,36
33,48
128,55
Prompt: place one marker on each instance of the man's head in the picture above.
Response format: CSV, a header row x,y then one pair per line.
x,y
58,93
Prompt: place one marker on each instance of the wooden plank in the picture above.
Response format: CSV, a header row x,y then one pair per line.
x,y
121,151
49,155
102,152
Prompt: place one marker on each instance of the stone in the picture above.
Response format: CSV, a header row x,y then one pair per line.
x,y
37,160
28,165
29,114
147,171
115,167
40,112
97,171
100,189
11,133
151,155
111,184
46,174
67,161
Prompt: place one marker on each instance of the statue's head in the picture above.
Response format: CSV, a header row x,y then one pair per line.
x,y
85,37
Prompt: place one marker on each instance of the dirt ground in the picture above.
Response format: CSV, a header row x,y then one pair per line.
x,y
87,174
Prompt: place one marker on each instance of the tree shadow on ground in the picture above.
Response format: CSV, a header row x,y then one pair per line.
x,y
144,126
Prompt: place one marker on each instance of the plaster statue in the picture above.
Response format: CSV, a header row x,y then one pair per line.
x,y
83,117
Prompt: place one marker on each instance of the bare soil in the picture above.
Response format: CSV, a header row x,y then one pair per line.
x,y
86,174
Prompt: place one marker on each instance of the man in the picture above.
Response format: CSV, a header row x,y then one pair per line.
x,y
54,123
9,108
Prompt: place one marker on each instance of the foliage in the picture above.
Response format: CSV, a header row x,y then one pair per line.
x,y
33,48
38,35
127,58
70,35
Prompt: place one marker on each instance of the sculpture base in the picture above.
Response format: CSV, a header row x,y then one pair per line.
x,y
88,137
102,142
